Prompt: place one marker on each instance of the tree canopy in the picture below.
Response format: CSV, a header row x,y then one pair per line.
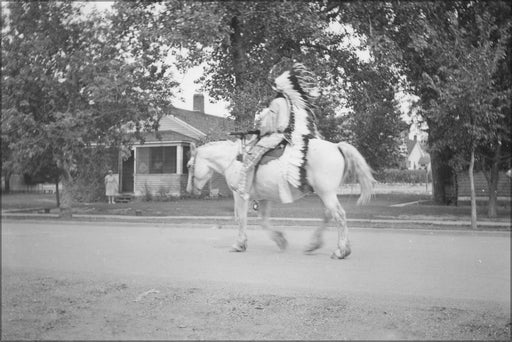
x,y
240,43
70,80
455,56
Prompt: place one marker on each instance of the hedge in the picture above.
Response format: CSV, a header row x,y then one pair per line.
x,y
401,176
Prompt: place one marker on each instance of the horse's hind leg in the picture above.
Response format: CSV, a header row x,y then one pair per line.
x,y
317,238
336,210
275,235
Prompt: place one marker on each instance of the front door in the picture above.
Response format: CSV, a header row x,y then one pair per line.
x,y
127,176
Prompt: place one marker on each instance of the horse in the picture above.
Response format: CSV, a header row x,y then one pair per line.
x,y
328,164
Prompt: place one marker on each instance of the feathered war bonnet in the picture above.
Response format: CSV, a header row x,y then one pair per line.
x,y
296,82
299,86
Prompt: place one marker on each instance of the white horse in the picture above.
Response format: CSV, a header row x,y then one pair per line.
x,y
327,165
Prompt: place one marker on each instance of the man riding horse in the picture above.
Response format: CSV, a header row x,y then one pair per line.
x,y
288,118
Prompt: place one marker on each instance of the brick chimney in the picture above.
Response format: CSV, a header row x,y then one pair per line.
x,y
198,103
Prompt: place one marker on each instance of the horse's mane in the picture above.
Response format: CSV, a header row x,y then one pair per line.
x,y
222,145
219,142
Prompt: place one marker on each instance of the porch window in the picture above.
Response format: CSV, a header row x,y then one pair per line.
x,y
161,159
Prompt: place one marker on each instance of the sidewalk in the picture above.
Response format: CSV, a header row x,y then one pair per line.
x,y
405,223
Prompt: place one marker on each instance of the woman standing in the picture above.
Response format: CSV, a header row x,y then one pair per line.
x,y
110,186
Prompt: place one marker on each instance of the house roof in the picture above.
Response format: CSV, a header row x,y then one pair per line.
x,y
410,145
172,123
165,137
203,122
188,125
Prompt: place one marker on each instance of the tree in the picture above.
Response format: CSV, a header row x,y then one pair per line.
x,y
418,38
474,97
239,43
68,84
376,123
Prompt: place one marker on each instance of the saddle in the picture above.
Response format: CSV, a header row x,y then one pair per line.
x,y
274,153
270,155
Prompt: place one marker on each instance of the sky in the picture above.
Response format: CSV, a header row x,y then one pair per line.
x,y
189,88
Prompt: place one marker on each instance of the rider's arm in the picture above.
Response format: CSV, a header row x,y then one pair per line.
x,y
279,106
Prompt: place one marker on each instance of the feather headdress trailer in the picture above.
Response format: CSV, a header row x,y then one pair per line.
x,y
299,87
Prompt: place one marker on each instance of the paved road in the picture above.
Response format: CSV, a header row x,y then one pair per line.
x,y
457,265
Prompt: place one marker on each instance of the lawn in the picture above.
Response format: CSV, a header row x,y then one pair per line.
x,y
380,207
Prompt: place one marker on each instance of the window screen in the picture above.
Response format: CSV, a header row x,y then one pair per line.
x,y
162,159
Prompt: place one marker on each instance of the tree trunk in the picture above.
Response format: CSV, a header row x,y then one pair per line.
x,y
57,195
238,51
472,188
444,187
7,183
492,184
493,192
66,202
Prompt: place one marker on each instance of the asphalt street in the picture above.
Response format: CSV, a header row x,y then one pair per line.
x,y
456,265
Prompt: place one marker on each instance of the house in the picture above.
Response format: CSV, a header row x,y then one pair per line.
x,y
158,165
417,158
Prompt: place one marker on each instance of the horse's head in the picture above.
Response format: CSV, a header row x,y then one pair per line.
x,y
199,171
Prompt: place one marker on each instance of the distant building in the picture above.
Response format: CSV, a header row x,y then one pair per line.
x,y
417,158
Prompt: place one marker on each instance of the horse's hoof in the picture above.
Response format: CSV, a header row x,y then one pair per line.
x,y
341,254
313,247
238,248
280,240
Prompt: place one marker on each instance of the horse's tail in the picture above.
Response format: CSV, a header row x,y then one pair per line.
x,y
356,165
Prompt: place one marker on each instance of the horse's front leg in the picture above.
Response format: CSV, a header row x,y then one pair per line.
x,y
275,235
241,208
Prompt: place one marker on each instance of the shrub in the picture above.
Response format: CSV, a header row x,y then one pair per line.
x,y
92,166
147,194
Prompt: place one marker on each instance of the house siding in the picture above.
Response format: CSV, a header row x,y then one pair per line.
x,y
414,158
169,184
481,188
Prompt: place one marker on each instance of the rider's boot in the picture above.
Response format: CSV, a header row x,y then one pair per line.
x,y
242,187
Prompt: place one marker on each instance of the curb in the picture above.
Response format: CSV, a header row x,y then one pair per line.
x,y
283,221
